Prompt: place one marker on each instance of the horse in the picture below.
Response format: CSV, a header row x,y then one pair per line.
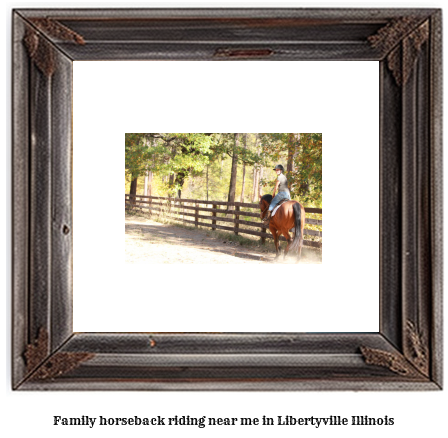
x,y
289,216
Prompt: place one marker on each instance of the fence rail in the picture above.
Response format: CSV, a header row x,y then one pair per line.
x,y
188,211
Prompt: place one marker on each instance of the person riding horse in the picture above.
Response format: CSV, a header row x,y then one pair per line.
x,y
290,216
283,191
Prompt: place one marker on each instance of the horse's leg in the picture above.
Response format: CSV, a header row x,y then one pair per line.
x,y
288,240
289,228
275,235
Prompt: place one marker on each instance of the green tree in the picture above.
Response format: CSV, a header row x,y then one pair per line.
x,y
213,166
137,156
230,145
171,155
302,154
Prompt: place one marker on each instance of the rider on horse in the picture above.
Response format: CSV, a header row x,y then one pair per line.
x,y
283,191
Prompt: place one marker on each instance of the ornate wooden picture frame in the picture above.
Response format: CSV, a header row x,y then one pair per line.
x,y
406,353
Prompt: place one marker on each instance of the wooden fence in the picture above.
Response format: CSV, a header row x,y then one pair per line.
x,y
190,211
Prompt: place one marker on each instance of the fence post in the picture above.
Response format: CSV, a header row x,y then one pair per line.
x,y
176,210
196,214
237,217
263,239
215,207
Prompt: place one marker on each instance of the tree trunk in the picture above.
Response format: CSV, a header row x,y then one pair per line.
x,y
291,151
304,187
297,149
232,186
255,183
148,183
171,180
207,183
145,187
149,193
260,176
244,170
222,163
180,179
133,190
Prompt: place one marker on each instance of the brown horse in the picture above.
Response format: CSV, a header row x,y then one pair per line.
x,y
289,216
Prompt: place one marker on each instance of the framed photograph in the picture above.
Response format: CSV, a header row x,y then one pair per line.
x,y
239,331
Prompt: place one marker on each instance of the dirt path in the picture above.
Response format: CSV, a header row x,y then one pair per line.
x,y
153,242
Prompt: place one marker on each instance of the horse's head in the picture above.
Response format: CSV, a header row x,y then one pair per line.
x,y
265,201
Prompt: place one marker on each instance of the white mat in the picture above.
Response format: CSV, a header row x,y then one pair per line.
x,y
275,209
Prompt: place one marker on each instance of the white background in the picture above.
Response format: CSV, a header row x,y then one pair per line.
x,y
340,295
416,414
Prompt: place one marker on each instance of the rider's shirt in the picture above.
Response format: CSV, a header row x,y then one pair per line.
x,y
283,184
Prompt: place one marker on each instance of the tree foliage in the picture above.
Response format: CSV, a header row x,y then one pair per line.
x,y
305,153
176,155
200,163
137,155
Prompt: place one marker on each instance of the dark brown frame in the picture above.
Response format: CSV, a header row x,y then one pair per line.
x,y
406,354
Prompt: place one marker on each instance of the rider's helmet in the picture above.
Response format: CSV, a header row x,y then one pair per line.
x,y
279,166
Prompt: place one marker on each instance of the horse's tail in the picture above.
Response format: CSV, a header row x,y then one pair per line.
x,y
296,244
